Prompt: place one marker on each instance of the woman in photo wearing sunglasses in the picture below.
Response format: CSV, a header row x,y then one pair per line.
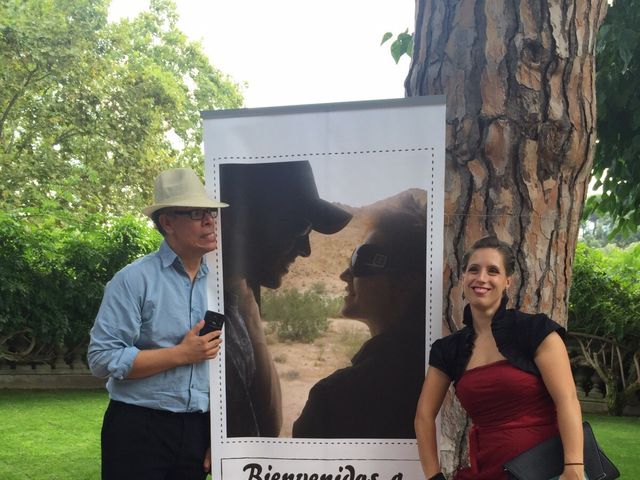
x,y
510,371
376,396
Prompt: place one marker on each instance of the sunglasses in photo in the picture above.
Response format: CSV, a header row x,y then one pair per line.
x,y
197,213
369,259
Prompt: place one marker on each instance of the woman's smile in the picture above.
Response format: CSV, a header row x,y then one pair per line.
x,y
480,290
485,280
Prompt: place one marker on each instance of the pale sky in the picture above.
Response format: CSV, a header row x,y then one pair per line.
x,y
292,52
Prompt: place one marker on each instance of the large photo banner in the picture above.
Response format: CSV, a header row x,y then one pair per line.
x,y
330,278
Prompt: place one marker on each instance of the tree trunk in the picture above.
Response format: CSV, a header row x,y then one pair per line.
x,y
519,76
616,399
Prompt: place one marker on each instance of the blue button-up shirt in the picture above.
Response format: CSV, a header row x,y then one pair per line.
x,y
149,304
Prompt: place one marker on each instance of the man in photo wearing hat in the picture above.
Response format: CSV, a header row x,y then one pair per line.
x,y
274,207
146,341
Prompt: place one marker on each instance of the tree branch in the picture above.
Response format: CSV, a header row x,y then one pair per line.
x,y
14,99
72,132
622,376
592,360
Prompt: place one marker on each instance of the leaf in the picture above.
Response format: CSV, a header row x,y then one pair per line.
x,y
409,49
397,50
386,37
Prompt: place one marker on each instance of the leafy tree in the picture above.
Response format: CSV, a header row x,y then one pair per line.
x,y
617,159
91,111
604,311
624,264
598,230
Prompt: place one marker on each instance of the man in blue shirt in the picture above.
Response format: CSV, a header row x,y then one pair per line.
x,y
146,341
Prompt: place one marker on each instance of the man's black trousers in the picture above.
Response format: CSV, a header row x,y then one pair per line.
x,y
146,444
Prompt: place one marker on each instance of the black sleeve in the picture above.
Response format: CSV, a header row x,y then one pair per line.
x,y
538,328
437,357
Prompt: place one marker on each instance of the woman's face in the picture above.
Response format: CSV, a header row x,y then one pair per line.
x,y
485,280
369,298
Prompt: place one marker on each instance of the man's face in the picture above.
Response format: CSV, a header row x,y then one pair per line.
x,y
190,237
277,244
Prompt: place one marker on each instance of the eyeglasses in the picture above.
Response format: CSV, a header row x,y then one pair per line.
x,y
197,213
369,259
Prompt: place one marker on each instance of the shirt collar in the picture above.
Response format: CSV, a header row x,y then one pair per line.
x,y
168,257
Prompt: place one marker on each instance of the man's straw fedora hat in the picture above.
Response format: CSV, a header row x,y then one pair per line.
x,y
180,187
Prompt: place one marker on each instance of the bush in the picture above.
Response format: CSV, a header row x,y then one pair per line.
x,y
52,280
91,258
604,298
297,316
604,311
30,313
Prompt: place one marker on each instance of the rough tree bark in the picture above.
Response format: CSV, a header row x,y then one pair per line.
x,y
519,76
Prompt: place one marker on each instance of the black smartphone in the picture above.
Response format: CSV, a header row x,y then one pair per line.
x,y
213,321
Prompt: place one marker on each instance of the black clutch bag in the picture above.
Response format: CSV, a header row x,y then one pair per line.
x,y
546,460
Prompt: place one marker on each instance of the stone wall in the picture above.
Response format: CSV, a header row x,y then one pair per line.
x,y
60,375
591,392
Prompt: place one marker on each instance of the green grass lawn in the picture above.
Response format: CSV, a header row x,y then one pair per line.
x,y
55,435
619,437
51,434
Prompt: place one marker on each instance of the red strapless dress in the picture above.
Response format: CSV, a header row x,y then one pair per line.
x,y
511,411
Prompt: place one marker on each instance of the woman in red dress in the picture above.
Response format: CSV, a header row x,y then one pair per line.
x,y
510,371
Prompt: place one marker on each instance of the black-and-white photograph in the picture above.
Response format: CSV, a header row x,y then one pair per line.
x,y
324,296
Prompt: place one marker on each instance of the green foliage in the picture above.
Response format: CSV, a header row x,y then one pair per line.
x,y
296,316
52,280
91,111
91,257
402,45
617,160
604,310
604,298
624,264
599,229
28,306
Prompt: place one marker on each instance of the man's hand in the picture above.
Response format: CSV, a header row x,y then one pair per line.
x,y
196,349
192,349
207,461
